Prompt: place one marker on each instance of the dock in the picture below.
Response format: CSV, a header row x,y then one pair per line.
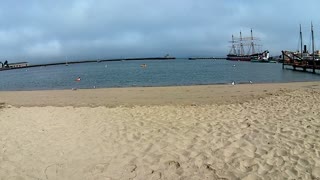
x,y
299,63
302,60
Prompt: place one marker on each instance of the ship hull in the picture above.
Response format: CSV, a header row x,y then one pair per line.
x,y
238,58
257,57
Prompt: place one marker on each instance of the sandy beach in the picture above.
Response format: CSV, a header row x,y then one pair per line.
x,y
252,131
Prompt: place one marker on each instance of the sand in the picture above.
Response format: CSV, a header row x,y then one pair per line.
x,y
259,131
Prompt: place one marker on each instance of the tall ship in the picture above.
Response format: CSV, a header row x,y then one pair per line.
x,y
245,49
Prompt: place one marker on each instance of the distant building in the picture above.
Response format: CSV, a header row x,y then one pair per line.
x,y
18,64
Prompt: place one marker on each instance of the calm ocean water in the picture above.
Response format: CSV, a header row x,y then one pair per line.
x,y
157,73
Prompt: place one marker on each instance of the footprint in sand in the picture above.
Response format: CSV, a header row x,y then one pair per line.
x,y
98,168
316,172
2,105
251,177
291,172
155,175
174,164
130,171
173,170
53,171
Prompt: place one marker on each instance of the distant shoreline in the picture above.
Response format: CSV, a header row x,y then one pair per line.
x,y
89,61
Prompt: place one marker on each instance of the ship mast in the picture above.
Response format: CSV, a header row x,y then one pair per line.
x,y
241,45
313,48
252,43
233,47
301,41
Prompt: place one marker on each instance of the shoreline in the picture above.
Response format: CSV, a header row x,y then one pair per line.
x,y
160,86
148,96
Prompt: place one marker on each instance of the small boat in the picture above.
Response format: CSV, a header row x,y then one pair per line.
x,y
263,58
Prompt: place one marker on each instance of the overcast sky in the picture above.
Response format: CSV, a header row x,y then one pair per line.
x,y
44,31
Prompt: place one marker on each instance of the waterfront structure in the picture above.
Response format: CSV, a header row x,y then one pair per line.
x,y
4,64
302,59
18,64
7,65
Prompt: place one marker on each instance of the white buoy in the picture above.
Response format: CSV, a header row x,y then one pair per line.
x,y
234,65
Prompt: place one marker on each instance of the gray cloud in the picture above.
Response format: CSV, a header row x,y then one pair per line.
x,y
43,31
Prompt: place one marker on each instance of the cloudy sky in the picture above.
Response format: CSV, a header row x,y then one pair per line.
x,y
44,31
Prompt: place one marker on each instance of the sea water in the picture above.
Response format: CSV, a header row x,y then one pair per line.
x,y
156,73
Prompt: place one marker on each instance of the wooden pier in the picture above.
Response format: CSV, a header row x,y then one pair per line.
x,y
298,62
302,60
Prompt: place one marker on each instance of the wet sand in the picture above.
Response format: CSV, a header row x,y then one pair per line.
x,y
145,96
